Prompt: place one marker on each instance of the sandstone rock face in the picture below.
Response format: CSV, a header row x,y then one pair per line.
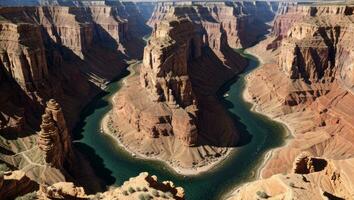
x,y
53,138
44,48
239,22
25,65
300,60
166,57
164,75
305,87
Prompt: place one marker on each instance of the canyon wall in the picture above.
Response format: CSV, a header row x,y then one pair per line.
x,y
304,86
64,53
239,23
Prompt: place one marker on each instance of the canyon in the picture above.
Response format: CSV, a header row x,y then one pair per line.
x,y
60,59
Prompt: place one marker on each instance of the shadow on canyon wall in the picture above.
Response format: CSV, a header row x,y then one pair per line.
x,y
94,160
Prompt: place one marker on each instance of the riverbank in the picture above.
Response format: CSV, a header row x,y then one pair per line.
x,y
264,58
261,60
106,127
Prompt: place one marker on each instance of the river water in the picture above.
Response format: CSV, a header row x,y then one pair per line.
x,y
115,166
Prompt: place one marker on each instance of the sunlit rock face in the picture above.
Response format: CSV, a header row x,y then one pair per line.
x,y
164,75
308,85
166,57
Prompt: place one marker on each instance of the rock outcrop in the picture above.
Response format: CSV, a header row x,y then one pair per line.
x,y
165,75
53,138
143,186
331,182
171,108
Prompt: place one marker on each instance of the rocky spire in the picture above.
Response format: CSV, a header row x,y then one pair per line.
x,y
47,138
55,110
53,138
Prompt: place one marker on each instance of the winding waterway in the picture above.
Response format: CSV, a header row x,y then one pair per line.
x,y
241,166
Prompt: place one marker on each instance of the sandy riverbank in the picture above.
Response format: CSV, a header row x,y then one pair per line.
x,y
106,127
263,59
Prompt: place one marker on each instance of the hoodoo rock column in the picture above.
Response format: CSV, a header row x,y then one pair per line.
x,y
53,138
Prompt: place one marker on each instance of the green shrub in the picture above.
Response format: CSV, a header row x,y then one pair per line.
x,y
262,195
4,167
163,195
138,189
28,196
141,197
147,196
131,190
125,193
292,184
169,194
145,189
155,193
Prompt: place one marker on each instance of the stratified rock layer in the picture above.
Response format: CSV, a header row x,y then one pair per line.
x,y
305,87
240,23
53,138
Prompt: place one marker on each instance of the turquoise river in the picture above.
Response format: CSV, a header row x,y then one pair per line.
x,y
241,166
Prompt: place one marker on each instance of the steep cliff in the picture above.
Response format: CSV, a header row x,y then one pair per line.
x,y
240,23
305,87
165,74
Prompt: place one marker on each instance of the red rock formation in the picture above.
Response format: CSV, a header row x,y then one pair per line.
x,y
54,109
172,104
306,87
25,65
164,74
44,48
239,22
53,138
166,57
